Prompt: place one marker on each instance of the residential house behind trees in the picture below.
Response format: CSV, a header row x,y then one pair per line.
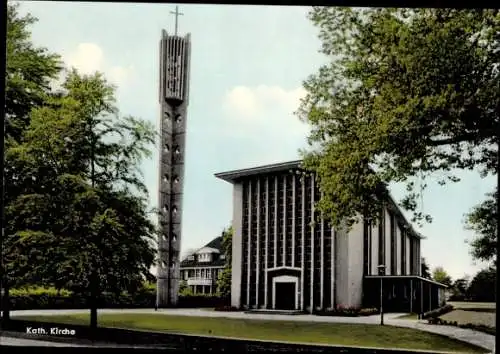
x,y
200,269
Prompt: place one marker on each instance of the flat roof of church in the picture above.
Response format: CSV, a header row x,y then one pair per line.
x,y
233,176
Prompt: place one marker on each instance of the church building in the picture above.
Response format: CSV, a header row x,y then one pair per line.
x,y
280,261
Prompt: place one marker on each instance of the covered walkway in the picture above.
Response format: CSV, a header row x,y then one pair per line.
x,y
403,293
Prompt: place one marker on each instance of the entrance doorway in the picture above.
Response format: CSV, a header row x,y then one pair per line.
x,y
285,296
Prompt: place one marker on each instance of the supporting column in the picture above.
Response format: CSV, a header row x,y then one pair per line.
x,y
332,275
257,258
430,297
293,220
421,297
275,222
238,257
302,245
312,246
322,272
249,243
266,250
411,295
284,221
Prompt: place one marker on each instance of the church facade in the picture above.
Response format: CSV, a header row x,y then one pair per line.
x,y
280,261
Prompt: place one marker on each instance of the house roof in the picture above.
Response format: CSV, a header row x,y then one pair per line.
x,y
215,244
235,175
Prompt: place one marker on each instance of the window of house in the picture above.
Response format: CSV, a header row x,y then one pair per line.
x,y
204,257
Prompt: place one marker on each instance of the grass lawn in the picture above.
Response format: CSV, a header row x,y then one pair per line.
x,y
473,305
289,331
468,316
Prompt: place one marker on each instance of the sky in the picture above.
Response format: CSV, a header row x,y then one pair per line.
x,y
247,68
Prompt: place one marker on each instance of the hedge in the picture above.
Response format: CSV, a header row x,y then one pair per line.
x,y
438,312
475,327
49,298
347,311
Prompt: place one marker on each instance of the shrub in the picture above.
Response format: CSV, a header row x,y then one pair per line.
x,y
347,311
438,312
434,320
49,298
458,297
479,328
201,301
39,290
368,311
475,327
226,308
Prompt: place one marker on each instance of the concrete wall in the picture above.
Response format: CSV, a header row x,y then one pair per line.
x,y
374,250
419,258
342,268
237,246
408,259
355,265
349,266
387,243
398,248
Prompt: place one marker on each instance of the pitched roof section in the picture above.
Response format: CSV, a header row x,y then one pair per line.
x,y
216,243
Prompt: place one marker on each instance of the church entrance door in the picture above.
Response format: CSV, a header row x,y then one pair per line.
x,y
285,296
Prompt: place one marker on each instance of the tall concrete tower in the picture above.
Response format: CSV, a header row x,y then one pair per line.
x,y
174,89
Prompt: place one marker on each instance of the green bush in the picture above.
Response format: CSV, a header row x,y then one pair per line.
x,y
438,312
480,328
49,298
475,327
226,308
39,290
368,311
347,311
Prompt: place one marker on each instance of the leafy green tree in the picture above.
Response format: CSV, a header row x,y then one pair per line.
x,y
224,280
407,93
460,289
84,224
440,275
29,72
483,221
483,285
184,289
425,269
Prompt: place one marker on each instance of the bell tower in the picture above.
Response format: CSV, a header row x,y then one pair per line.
x,y
174,91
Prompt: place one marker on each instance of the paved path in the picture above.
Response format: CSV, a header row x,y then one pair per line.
x,y
8,338
480,339
24,342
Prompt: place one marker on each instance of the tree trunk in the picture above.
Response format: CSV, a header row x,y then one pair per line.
x,y
5,303
94,296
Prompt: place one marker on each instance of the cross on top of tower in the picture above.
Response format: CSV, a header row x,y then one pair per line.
x,y
177,14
